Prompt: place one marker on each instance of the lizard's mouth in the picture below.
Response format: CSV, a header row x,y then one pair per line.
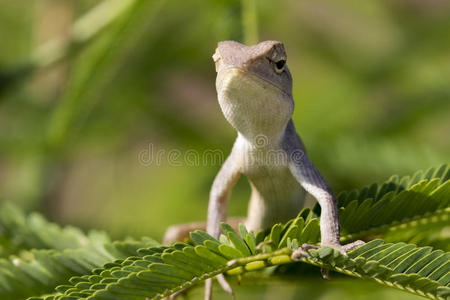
x,y
258,79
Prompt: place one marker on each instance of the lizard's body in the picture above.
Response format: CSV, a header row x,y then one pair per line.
x,y
254,88
276,195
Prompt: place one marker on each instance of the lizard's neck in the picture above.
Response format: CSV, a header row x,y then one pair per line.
x,y
256,109
263,137
260,120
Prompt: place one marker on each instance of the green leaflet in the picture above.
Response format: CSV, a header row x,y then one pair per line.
x,y
235,239
292,231
136,270
275,235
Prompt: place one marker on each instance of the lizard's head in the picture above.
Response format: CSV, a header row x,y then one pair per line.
x,y
254,86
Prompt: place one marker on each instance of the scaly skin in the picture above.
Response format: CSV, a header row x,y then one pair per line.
x,y
254,88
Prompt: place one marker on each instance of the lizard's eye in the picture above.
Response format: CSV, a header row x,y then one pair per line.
x,y
279,65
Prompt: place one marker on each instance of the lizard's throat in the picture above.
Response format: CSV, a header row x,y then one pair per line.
x,y
251,105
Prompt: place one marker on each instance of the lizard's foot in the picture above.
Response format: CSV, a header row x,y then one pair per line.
x,y
301,252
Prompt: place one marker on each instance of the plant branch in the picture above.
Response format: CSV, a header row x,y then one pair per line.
x,y
249,21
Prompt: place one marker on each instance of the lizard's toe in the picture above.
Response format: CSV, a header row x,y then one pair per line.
x,y
301,252
347,247
353,245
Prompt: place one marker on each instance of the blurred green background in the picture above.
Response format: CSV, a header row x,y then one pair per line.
x,y
86,88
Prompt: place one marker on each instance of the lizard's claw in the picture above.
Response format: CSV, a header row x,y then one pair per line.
x,y
301,252
353,245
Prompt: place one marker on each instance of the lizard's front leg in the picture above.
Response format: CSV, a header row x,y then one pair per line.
x,y
217,213
217,208
312,181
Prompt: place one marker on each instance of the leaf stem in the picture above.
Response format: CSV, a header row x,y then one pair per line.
x,y
249,21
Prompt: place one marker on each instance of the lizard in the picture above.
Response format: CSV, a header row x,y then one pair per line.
x,y
254,89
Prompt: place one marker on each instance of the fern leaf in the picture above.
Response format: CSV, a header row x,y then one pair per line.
x,y
160,272
418,199
39,271
23,232
121,271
